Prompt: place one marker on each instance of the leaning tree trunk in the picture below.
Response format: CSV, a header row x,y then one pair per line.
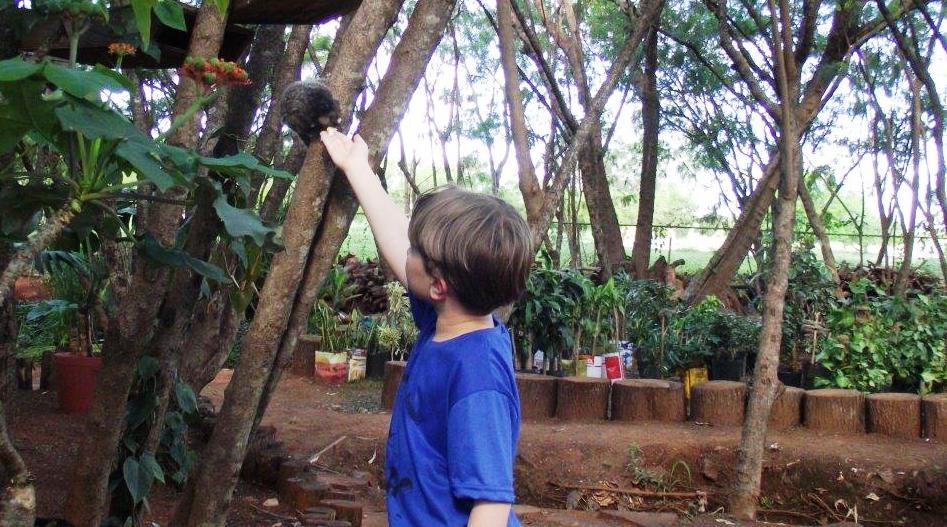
x,y
209,491
745,497
818,227
135,311
605,229
23,259
651,117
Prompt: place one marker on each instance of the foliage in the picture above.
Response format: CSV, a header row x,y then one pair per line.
x,y
172,461
395,330
551,310
810,294
875,339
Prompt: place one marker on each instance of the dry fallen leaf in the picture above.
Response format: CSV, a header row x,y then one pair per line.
x,y
872,496
272,502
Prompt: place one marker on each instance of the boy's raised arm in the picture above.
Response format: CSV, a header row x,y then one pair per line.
x,y
388,223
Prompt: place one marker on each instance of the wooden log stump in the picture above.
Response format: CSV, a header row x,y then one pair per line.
x,y
328,523
720,403
394,370
787,408
537,395
323,513
346,510
648,400
934,411
894,414
344,483
304,355
582,399
309,493
290,469
835,411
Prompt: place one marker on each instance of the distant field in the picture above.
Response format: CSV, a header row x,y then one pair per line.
x,y
360,243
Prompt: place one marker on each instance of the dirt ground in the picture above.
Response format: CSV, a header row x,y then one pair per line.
x,y
808,478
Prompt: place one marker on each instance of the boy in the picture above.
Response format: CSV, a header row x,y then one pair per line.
x,y
456,418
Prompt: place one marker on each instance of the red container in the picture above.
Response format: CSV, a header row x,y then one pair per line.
x,y
332,373
75,381
614,367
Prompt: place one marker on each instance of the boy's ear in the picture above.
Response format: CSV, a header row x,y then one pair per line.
x,y
439,289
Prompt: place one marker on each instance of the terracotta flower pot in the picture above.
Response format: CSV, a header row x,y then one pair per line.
x,y
75,381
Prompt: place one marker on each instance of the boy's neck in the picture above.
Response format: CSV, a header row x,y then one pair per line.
x,y
453,321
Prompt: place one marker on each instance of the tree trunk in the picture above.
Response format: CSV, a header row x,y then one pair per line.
x,y
745,497
135,311
815,220
651,117
378,126
23,259
910,224
598,198
17,496
528,183
209,491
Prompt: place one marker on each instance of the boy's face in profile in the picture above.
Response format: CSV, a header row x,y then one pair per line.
x,y
419,281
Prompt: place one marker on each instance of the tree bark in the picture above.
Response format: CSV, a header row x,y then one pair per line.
x,y
605,230
651,118
209,491
135,311
909,225
528,183
745,497
22,259
818,227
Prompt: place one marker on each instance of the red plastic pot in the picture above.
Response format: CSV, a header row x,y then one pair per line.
x,y
75,381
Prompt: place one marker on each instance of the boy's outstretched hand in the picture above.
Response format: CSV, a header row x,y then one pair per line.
x,y
345,153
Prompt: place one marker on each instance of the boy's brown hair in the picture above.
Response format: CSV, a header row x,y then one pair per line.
x,y
477,243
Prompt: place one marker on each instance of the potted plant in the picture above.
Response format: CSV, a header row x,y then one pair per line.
x,y
395,331
649,309
737,338
76,281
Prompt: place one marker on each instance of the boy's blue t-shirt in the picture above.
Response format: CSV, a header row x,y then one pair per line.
x,y
454,427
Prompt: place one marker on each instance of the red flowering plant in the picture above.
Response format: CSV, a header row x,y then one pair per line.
x,y
213,73
121,50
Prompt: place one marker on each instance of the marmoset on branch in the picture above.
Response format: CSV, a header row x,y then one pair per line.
x,y
307,108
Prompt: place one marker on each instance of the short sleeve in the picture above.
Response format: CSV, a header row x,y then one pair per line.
x,y
423,313
480,447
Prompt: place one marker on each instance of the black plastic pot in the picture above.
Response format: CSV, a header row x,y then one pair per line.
x,y
375,365
902,385
722,369
648,371
789,377
816,370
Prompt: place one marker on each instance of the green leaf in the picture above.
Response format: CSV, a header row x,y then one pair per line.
x,y
185,397
148,366
149,463
16,69
142,9
142,156
120,80
208,270
23,110
237,164
94,122
171,14
137,479
222,5
240,222
80,83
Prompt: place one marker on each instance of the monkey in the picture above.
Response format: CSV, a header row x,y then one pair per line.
x,y
308,107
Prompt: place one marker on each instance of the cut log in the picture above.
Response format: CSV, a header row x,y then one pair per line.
x,y
304,355
290,469
537,395
648,400
934,410
787,408
344,483
320,513
719,403
894,414
304,492
263,467
346,510
582,399
835,411
394,370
